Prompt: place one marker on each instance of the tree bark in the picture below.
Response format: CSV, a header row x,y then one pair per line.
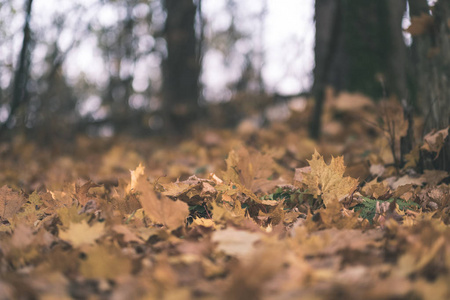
x,y
359,48
21,75
431,58
181,68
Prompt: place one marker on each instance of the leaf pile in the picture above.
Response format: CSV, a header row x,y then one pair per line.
x,y
215,218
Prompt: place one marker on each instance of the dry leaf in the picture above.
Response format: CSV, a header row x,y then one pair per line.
x,y
434,141
251,169
375,189
103,262
10,202
404,180
236,242
420,24
80,234
127,234
159,208
204,222
327,180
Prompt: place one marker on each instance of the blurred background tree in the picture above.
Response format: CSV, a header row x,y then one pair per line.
x,y
105,67
140,67
360,47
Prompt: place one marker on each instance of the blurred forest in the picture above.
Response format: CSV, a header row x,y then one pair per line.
x,y
146,74
137,68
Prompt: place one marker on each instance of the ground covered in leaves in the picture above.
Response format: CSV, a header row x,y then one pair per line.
x,y
249,213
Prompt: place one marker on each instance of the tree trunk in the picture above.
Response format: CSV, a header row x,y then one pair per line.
x,y
181,67
21,75
358,49
431,55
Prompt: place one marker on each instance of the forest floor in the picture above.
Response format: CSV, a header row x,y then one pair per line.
x,y
250,213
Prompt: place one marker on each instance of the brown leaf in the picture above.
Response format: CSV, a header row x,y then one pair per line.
x,y
433,177
158,207
10,202
434,141
127,235
420,24
250,169
236,242
82,192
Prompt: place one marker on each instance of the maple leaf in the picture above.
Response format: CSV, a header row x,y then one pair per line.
x,y
158,207
80,234
327,180
10,202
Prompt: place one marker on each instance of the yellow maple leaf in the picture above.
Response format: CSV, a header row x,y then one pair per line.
x,y
328,180
80,234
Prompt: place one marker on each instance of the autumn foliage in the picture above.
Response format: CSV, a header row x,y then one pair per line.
x,y
258,214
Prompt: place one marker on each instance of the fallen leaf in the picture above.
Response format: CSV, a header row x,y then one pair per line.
x,y
159,208
79,234
404,180
327,180
127,234
251,169
103,262
434,141
10,202
236,242
204,222
433,177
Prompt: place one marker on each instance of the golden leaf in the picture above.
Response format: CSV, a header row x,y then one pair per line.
x,y
80,234
135,174
327,180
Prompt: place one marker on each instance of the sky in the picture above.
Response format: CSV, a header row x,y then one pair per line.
x,y
288,41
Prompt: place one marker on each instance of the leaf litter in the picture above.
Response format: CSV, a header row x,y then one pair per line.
x,y
227,215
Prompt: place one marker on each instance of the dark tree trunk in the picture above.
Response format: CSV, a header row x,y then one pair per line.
x,y
431,58
357,43
21,75
181,67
